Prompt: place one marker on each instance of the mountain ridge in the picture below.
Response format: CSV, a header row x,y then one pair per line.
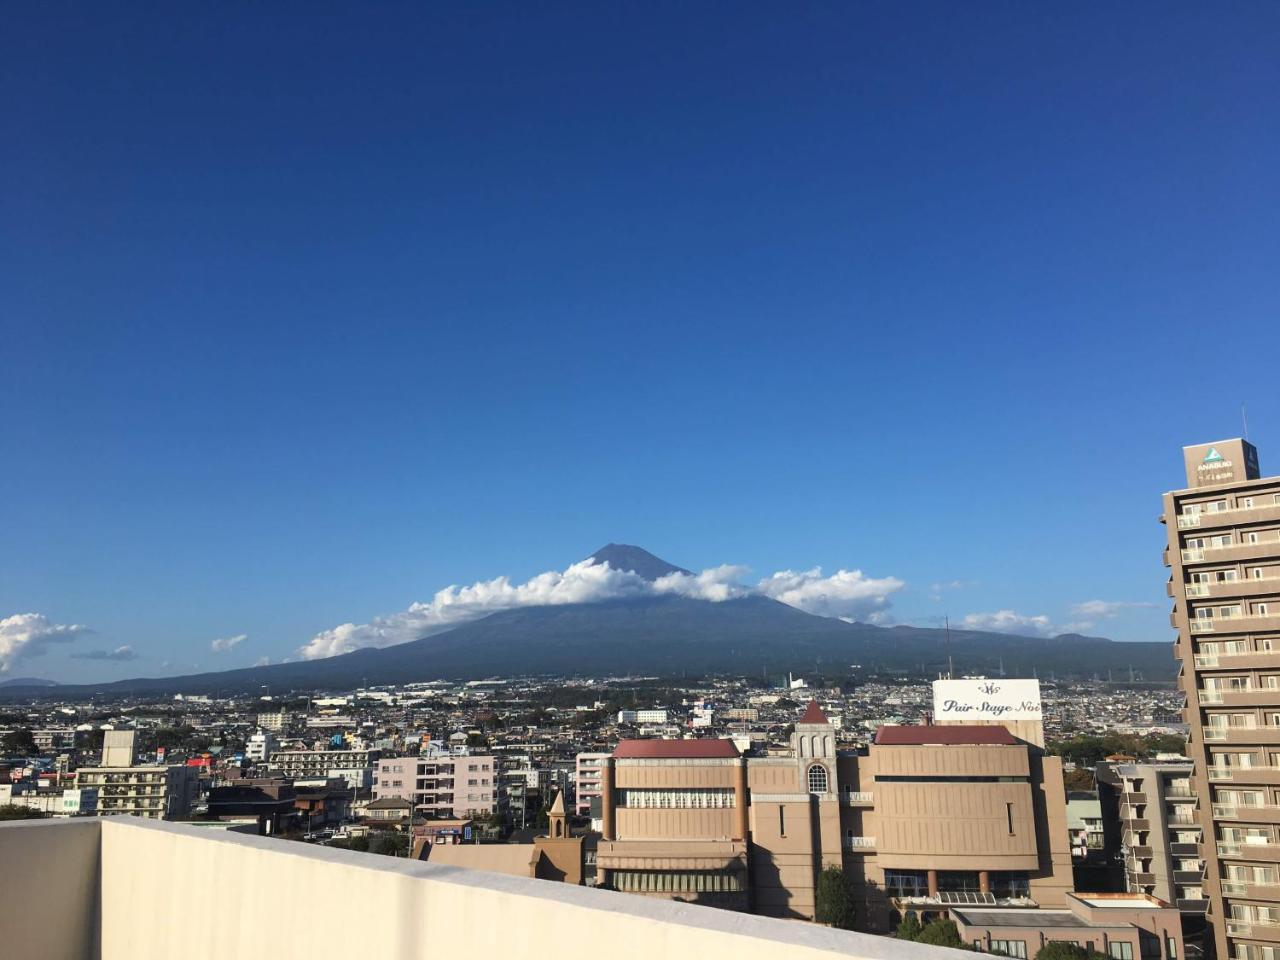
x,y
668,635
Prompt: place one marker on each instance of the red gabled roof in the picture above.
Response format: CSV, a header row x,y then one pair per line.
x,y
943,735
813,714
675,749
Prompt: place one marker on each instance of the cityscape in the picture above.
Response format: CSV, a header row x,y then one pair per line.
x,y
640,481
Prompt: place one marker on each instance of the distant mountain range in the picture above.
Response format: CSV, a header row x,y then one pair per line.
x,y
670,635
27,682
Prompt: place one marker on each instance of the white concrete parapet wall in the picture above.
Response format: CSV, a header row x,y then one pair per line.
x,y
120,888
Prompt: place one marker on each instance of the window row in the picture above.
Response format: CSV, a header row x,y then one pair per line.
x,y
709,799
688,881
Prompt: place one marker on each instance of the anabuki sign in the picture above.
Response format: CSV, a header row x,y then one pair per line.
x,y
986,700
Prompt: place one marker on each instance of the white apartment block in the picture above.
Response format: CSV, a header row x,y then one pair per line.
x,y
298,764
654,715
53,803
273,722
260,746
154,792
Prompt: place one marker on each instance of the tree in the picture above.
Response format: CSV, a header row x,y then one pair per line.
x,y
11,811
1059,950
834,899
909,928
19,742
1078,779
388,844
940,933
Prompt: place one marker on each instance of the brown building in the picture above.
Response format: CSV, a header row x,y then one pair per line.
x,y
925,818
1223,550
674,822
556,856
941,815
1121,926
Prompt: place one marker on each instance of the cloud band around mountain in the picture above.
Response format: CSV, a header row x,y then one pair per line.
x,y
848,594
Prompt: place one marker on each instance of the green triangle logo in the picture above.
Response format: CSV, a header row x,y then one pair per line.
x,y
1213,456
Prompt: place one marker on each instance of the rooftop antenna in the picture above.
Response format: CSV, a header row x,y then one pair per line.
x,y
951,673
1244,417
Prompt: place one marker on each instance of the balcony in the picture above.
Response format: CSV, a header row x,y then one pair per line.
x,y
1223,589
1255,813
1235,850
854,798
1251,889
1240,623
1206,519
105,890
860,844
1254,929
1257,774
1239,697
1229,553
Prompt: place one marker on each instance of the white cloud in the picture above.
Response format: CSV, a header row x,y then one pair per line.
x,y
1009,621
29,635
716,584
263,662
1107,608
584,582
226,644
845,593
120,654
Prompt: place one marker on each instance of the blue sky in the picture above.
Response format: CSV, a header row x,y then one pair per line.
x,y
310,311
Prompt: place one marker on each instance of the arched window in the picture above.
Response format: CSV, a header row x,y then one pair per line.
x,y
817,778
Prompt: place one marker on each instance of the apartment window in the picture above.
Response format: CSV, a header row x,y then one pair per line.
x,y
1246,503
1120,950
817,778
1260,609
1250,538
1257,573
1012,948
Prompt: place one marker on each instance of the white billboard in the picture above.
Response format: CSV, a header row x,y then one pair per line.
x,y
986,700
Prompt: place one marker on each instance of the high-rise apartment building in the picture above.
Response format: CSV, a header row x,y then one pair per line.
x,y
1224,552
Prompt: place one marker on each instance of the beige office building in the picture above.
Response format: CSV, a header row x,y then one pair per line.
x,y
1224,552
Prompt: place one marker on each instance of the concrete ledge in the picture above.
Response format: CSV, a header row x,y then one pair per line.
x,y
175,890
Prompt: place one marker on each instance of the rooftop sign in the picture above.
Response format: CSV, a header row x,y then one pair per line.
x,y
986,700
